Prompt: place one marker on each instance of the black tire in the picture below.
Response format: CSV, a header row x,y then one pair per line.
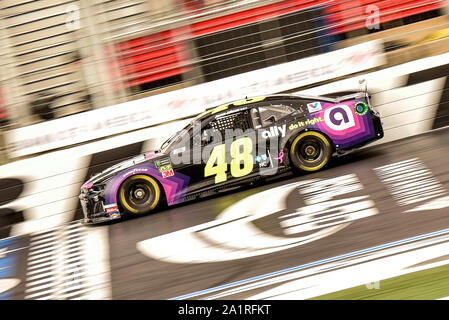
x,y
139,194
310,151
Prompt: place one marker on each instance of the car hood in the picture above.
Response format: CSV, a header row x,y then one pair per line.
x,y
113,170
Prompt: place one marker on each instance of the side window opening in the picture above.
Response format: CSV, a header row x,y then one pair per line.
x,y
238,120
274,112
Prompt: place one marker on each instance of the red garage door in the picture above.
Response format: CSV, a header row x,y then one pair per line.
x,y
352,15
150,58
252,15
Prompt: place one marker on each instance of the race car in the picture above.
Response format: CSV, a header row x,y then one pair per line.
x,y
232,145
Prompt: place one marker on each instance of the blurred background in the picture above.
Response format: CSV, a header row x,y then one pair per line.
x,y
87,84
59,58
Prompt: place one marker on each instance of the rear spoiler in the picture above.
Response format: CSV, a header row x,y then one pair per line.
x,y
362,93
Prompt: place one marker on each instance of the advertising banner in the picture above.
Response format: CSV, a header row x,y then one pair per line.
x,y
190,101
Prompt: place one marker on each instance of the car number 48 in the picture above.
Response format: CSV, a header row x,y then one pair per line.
x,y
240,152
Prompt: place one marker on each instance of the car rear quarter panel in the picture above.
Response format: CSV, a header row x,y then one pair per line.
x,y
339,122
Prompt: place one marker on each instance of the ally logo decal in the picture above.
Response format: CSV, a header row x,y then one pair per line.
x,y
274,131
339,118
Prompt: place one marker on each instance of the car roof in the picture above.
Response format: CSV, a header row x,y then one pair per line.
x,y
272,97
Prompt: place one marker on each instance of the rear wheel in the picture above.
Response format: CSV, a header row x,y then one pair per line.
x,y
139,194
310,151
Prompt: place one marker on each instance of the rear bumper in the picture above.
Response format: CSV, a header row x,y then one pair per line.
x,y
377,122
378,134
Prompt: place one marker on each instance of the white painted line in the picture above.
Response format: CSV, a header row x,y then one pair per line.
x,y
45,286
39,261
39,266
42,241
47,293
407,241
356,275
34,253
410,182
323,282
38,270
233,235
8,283
75,264
97,265
33,257
40,275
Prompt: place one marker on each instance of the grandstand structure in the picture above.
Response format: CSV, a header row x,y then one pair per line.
x,y
69,56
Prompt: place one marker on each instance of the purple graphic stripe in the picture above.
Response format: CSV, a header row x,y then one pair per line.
x,y
360,132
174,186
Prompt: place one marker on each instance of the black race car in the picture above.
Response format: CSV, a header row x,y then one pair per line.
x,y
231,145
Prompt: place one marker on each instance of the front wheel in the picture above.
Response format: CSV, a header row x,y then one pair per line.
x,y
310,151
139,194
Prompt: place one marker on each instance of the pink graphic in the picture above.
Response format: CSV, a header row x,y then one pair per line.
x,y
150,155
87,185
280,156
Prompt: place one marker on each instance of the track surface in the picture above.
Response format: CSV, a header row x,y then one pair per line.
x,y
136,276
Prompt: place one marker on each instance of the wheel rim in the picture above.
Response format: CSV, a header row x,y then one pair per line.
x,y
139,194
310,151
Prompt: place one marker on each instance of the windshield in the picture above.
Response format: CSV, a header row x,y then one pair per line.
x,y
176,138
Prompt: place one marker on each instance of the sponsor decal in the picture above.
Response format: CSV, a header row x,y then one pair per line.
x,y
280,156
165,168
339,118
314,107
112,211
115,215
162,163
274,131
360,108
133,171
168,173
262,160
301,124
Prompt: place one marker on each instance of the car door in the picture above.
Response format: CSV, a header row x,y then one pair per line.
x,y
271,120
229,156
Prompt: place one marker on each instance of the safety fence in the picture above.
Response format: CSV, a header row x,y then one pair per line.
x,y
73,56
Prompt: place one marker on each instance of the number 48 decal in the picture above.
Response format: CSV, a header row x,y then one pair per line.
x,y
218,156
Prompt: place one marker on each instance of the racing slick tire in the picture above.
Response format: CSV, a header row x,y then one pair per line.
x,y
310,151
139,194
